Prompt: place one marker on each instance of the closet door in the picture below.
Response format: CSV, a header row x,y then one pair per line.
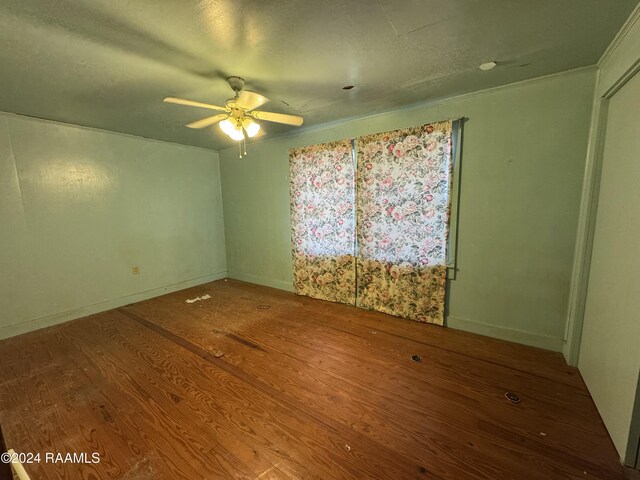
x,y
322,181
609,354
403,203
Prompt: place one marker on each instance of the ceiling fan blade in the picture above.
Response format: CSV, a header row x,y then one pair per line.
x,y
205,122
248,100
191,103
278,118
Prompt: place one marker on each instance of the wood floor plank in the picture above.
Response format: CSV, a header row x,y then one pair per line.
x,y
212,398
164,415
565,400
473,415
260,383
531,360
375,458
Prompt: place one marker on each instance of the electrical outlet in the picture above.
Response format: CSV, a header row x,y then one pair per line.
x,y
136,270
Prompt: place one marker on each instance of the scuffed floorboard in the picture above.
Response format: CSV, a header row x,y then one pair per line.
x,y
257,383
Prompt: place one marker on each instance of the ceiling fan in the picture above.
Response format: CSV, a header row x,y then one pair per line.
x,y
238,119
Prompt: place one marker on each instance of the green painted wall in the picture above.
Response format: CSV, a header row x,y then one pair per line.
x,y
80,207
523,158
610,355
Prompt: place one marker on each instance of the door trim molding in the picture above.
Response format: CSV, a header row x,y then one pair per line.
x,y
589,207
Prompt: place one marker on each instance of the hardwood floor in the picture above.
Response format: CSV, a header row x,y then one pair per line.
x,y
257,383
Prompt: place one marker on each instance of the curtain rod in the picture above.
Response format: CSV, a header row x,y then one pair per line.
x,y
461,120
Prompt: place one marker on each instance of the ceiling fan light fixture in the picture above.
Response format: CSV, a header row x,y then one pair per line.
x,y
251,127
238,120
232,130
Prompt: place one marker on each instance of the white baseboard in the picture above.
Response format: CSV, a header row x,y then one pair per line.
x,y
512,335
61,317
267,282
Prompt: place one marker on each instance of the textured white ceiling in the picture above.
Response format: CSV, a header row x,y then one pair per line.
x,y
109,63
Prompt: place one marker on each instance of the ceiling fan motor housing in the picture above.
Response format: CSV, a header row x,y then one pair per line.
x,y
236,83
235,113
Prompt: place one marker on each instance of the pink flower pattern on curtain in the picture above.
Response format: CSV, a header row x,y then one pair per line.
x,y
403,204
322,180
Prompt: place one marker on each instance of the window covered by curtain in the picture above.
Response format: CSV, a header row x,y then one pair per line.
x,y
322,181
403,203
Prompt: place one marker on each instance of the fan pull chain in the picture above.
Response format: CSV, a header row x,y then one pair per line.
x,y
242,145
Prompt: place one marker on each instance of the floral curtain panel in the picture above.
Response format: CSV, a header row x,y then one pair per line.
x,y
403,203
322,179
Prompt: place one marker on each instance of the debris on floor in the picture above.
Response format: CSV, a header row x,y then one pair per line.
x,y
416,358
348,447
218,353
512,397
197,299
